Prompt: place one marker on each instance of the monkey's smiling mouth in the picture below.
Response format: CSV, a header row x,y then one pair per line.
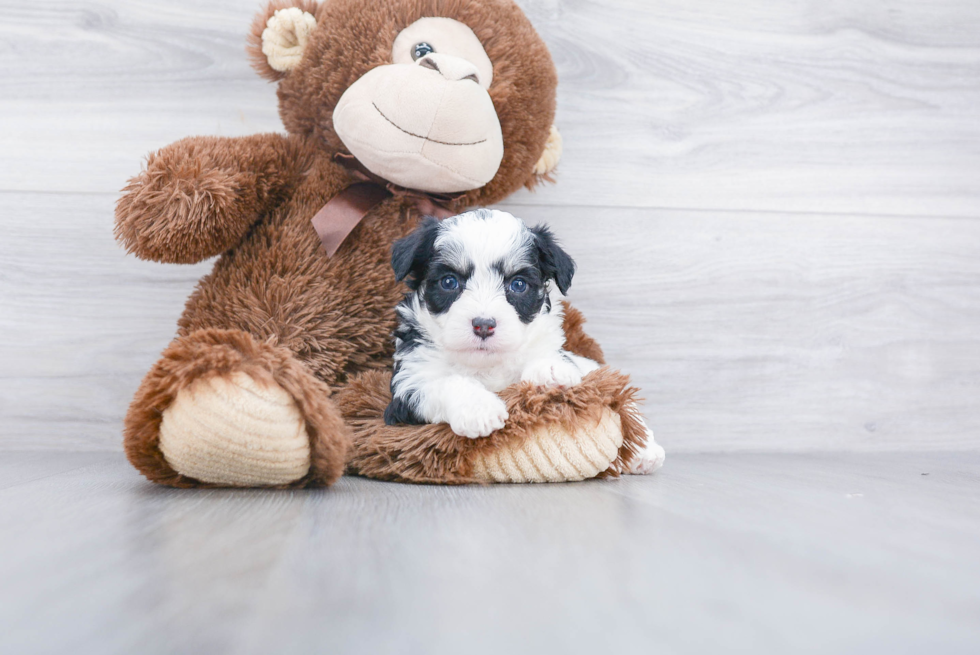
x,y
425,138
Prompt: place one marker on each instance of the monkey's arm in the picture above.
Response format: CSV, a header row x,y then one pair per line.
x,y
197,198
577,341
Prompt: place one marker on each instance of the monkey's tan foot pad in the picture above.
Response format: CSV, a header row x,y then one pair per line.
x,y
554,453
552,435
232,430
220,408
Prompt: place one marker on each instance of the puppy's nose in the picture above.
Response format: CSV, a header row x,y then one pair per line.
x,y
483,327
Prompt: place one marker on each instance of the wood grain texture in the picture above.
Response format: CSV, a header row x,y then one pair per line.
x,y
815,289
715,553
844,107
774,210
82,322
745,331
751,331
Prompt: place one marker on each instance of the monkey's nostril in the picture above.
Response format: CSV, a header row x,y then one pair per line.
x,y
428,62
451,68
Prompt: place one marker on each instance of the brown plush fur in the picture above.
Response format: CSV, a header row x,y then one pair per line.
x,y
524,78
576,340
275,306
208,353
434,454
197,197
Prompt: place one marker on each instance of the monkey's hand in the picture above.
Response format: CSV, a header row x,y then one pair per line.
x,y
198,197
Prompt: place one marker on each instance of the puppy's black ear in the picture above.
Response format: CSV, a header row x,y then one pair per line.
x,y
555,262
409,256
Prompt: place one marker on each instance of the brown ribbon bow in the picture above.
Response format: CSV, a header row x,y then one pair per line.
x,y
338,218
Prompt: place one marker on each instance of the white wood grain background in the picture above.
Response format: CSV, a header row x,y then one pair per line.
x,y
775,208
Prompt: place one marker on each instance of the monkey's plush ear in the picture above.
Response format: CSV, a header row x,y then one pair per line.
x,y
550,157
279,35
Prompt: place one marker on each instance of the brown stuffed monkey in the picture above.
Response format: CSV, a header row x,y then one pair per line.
x,y
277,376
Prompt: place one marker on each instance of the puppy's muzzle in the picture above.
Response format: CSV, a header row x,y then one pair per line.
x,y
483,327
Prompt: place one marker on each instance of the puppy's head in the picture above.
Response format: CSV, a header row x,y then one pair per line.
x,y
481,280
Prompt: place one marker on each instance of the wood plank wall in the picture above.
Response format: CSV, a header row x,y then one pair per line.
x,y
775,208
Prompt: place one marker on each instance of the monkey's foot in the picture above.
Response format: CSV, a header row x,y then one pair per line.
x,y
232,430
222,409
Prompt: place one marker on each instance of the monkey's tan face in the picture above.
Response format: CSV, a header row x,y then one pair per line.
x,y
423,117
426,121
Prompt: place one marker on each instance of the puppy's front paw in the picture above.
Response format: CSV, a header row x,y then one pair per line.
x,y
479,416
552,372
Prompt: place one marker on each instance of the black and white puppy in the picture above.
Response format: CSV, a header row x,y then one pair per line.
x,y
482,315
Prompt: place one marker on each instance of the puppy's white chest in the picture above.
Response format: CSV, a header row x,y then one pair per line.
x,y
499,378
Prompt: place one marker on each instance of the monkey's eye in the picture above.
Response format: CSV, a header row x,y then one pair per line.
x,y
449,283
518,285
421,49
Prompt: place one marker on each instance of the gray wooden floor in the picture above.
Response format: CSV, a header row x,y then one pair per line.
x,y
775,208
766,553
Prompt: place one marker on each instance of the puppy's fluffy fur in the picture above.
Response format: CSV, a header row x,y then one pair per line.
x,y
482,315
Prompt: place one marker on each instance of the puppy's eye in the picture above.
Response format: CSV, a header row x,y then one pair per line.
x,y
420,50
449,283
518,285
